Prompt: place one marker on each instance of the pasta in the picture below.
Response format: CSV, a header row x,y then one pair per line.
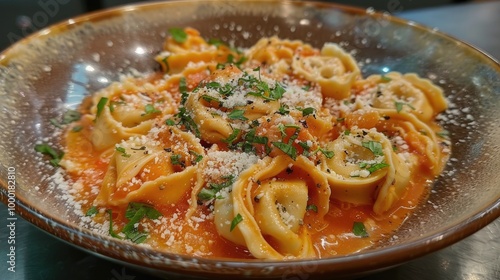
x,y
279,151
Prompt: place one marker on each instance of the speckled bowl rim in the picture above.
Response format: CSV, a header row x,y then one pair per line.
x,y
355,264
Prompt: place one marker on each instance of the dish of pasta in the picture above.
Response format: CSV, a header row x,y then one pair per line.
x,y
277,151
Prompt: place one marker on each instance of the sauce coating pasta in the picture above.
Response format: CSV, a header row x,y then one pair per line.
x,y
278,151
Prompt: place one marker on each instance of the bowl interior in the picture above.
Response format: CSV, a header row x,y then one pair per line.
x,y
54,69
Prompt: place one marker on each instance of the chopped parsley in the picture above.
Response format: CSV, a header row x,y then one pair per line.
x,y
210,192
443,134
111,231
170,122
232,136
288,149
237,115
67,118
307,111
77,128
55,155
209,99
188,122
385,79
149,109
178,34
236,220
283,110
399,106
100,106
358,228
135,213
183,89
216,42
373,167
122,151
312,207
374,146
92,211
328,154
112,105
176,160
197,157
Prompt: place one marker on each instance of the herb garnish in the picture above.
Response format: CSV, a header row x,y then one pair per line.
x,y
232,136
100,106
176,160
92,211
178,34
385,79
358,228
149,109
135,213
443,134
373,167
183,90
399,106
47,150
312,207
197,157
237,115
307,111
374,146
236,220
111,231
122,151
67,118
210,192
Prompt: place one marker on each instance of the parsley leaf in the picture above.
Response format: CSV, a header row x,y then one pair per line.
x,y
237,115
71,116
100,106
328,154
47,150
236,220
135,213
122,151
443,134
385,79
150,109
288,149
183,90
307,111
358,228
399,106
377,166
212,189
312,207
374,146
170,122
197,157
232,137
111,231
77,128
176,160
178,34
92,211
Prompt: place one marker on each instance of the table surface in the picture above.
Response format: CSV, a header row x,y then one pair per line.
x,y
41,256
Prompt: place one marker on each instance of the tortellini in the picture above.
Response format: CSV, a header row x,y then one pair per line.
x,y
278,151
334,70
366,170
154,169
273,209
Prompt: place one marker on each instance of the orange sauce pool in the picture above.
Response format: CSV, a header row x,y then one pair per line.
x,y
332,236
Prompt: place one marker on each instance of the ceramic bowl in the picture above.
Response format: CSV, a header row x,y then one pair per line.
x,y
56,67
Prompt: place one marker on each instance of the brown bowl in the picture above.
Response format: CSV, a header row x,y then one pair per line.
x,y
56,67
